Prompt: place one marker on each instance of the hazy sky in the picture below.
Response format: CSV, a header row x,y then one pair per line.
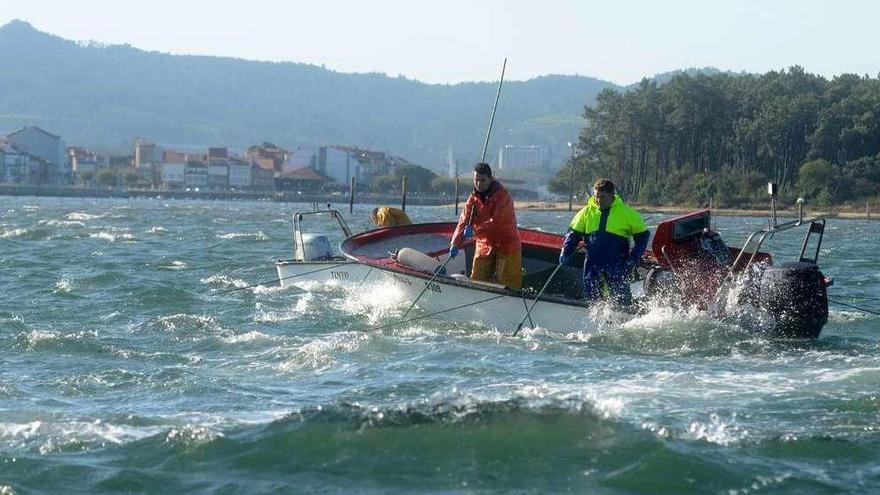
x,y
453,40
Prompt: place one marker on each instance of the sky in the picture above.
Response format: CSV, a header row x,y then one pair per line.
x,y
453,41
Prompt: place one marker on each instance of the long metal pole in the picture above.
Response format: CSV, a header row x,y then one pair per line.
x,y
456,189
529,311
492,119
351,198
403,193
571,177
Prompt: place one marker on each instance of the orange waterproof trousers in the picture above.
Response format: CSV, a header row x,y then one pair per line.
x,y
504,269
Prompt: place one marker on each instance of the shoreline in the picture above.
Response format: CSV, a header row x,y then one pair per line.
x,y
844,212
839,212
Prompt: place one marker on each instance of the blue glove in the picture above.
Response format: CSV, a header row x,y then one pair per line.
x,y
468,232
564,258
453,251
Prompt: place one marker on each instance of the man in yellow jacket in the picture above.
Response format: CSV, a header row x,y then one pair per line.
x,y
606,226
387,216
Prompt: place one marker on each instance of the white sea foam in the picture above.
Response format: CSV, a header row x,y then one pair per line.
x,y
717,430
203,323
175,265
192,435
10,233
81,215
49,437
321,353
157,230
225,281
252,336
376,301
63,286
61,223
113,236
259,236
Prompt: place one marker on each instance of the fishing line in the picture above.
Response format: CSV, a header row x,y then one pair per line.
x,y
864,310
278,279
434,313
865,298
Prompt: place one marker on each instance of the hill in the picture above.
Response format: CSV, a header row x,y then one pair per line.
x,y
106,95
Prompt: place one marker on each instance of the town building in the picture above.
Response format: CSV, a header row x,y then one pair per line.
x,y
148,159
262,174
85,162
240,173
341,163
172,170
196,174
48,148
15,164
530,157
218,169
268,151
299,180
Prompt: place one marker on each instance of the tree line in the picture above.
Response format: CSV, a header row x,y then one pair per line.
x,y
723,136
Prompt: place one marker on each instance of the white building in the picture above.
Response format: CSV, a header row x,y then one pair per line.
x,y
239,174
340,163
14,164
45,146
148,159
522,157
173,175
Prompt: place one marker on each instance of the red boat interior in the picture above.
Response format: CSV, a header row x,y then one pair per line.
x,y
684,244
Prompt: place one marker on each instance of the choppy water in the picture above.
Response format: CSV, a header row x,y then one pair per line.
x,y
124,370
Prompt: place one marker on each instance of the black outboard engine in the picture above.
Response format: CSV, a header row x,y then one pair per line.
x,y
794,294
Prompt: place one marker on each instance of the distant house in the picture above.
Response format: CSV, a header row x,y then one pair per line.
x,y
15,163
240,174
301,179
196,174
262,174
173,170
268,151
532,157
83,161
48,147
148,158
342,163
218,169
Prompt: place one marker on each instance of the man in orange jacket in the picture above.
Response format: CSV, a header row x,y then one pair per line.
x,y
489,218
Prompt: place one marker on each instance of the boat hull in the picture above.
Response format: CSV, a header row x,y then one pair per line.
x,y
450,300
331,273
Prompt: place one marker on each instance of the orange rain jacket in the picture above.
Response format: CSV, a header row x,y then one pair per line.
x,y
494,222
391,217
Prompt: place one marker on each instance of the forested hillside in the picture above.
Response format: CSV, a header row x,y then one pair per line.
x,y
725,135
98,95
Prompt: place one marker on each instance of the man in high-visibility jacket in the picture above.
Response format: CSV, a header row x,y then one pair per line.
x,y
606,225
387,216
488,216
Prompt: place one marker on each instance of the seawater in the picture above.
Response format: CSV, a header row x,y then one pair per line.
x,y
125,369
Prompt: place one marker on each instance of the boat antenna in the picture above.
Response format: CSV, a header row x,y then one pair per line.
x,y
494,108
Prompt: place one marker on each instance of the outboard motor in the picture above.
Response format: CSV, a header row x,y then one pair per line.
x,y
794,294
314,247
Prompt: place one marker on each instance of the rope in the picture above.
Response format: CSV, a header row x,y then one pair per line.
x,y
278,279
864,310
434,313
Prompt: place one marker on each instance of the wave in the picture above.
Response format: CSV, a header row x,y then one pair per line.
x,y
114,236
81,215
517,444
259,236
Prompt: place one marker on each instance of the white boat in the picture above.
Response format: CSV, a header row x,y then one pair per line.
x,y
686,259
